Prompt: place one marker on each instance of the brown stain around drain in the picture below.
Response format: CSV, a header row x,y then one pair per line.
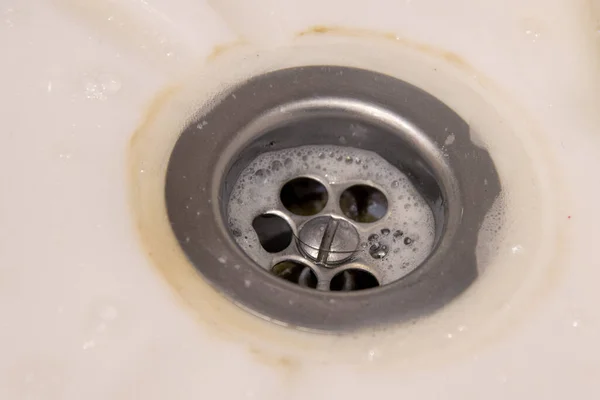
x,y
448,56
151,111
289,366
223,48
165,258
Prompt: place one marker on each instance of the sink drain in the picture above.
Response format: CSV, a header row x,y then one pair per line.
x,y
331,198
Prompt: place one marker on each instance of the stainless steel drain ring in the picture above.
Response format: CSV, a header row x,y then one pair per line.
x,y
316,105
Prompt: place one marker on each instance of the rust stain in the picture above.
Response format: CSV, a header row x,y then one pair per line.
x,y
151,112
287,366
334,30
337,30
281,362
220,49
149,149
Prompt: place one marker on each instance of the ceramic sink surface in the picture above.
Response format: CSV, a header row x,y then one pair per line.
x,y
90,307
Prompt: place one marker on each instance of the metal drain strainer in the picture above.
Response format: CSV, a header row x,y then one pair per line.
x,y
352,214
336,180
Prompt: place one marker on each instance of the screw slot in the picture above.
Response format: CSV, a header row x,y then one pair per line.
x,y
362,203
304,196
328,241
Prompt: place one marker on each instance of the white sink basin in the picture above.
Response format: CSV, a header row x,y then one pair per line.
x,y
96,300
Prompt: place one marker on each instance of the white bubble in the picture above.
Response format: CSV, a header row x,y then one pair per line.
x,y
516,249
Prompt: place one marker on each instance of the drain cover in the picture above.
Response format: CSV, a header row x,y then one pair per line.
x,y
331,198
328,240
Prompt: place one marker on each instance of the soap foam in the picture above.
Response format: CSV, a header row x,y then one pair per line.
x,y
392,246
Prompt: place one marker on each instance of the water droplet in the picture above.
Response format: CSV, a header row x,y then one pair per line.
x,y
101,86
371,355
348,160
407,240
518,249
378,251
321,155
450,139
395,184
261,173
398,233
385,231
373,237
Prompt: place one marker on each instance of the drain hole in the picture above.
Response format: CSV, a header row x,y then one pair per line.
x,y
363,203
296,273
304,196
353,279
274,233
